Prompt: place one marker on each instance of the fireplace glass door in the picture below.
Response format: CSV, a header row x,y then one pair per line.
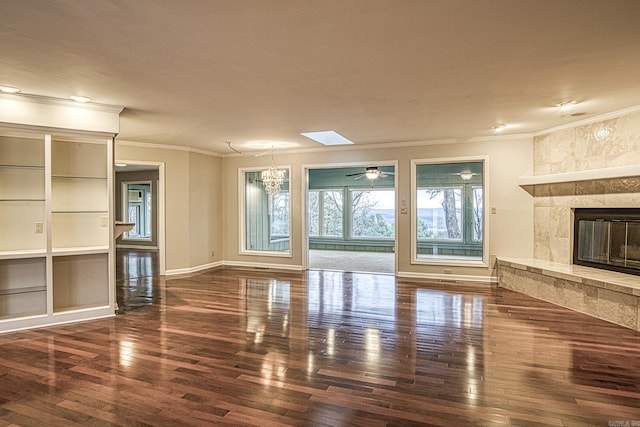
x,y
613,244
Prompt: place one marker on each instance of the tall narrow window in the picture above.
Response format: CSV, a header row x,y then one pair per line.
x,y
325,213
138,209
449,211
266,225
279,216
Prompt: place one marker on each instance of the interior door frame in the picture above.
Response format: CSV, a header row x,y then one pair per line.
x,y
305,198
161,206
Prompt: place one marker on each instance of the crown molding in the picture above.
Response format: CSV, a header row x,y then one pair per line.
x,y
47,100
167,147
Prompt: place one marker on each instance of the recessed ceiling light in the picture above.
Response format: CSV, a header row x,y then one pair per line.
x,y
81,99
498,128
9,89
327,137
566,107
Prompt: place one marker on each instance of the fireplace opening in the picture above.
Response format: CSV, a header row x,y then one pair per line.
x,y
607,239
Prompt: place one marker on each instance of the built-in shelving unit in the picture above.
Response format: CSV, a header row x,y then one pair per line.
x,y
56,221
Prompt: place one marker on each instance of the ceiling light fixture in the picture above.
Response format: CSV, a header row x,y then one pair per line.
x,y
566,107
466,175
81,99
372,173
272,178
498,128
9,89
327,137
603,132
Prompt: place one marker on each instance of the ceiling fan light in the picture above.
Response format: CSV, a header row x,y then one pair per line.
x,y
466,175
372,173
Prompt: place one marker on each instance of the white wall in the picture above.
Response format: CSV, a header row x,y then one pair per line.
x,y
205,219
192,203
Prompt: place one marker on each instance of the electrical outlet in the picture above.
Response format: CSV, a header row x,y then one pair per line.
x,y
103,221
213,253
39,228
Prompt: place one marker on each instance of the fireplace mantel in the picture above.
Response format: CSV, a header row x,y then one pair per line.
x,y
585,175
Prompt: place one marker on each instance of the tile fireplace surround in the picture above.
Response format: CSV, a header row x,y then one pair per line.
x,y
607,295
574,169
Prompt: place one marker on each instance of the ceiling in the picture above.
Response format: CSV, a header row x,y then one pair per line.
x,y
199,73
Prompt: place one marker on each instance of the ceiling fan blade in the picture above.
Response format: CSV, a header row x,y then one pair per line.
x,y
355,174
358,177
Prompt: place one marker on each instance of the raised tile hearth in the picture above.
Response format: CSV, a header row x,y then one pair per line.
x,y
607,295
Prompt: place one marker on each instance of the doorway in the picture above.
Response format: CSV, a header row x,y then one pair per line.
x,y
351,218
139,198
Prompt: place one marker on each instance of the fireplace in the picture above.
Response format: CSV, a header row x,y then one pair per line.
x,y
607,239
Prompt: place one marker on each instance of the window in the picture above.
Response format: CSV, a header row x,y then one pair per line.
x,y
478,214
449,211
372,214
279,216
266,224
440,213
137,206
325,213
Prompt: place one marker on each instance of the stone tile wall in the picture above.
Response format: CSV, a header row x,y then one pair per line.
x,y
578,149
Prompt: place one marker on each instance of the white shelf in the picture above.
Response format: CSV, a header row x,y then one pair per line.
x,y
80,250
586,175
32,253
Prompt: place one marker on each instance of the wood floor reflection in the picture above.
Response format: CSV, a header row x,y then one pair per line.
x,y
260,347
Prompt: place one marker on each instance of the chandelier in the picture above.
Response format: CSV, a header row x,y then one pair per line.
x,y
272,179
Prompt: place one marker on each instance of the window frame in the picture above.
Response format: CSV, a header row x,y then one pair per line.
x,y
484,261
242,210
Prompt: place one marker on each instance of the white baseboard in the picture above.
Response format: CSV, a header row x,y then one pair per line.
x,y
190,270
142,247
447,277
263,265
401,274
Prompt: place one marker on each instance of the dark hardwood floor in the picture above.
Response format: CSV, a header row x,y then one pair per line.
x,y
260,347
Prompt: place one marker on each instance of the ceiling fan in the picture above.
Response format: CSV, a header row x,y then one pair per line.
x,y
371,172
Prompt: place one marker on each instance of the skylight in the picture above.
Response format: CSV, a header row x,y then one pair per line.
x,y
327,137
